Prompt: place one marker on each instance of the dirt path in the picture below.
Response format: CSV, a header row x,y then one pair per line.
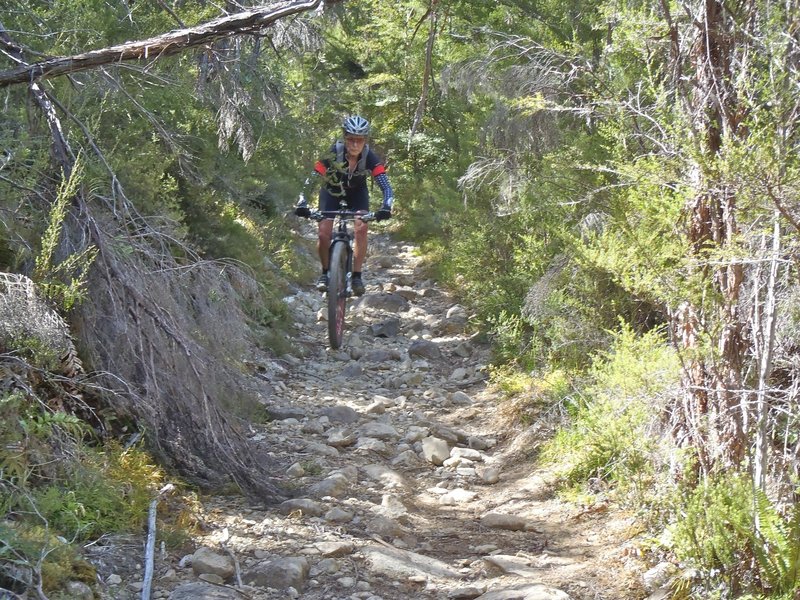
x,y
407,482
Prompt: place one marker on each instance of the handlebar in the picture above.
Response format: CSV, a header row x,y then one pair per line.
x,y
349,215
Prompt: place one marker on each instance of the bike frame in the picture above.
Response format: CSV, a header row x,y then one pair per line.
x,y
342,235
340,268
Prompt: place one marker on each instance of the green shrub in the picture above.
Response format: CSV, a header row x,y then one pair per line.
x,y
27,437
710,532
609,435
103,491
64,281
524,395
729,530
47,556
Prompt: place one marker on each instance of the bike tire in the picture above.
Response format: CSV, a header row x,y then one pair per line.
x,y
337,294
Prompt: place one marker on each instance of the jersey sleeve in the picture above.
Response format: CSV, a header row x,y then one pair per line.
x,y
323,164
375,164
378,170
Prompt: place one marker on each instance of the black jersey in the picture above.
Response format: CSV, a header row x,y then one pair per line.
x,y
339,180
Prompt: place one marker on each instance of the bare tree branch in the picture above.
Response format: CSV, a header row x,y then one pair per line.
x,y
174,42
423,100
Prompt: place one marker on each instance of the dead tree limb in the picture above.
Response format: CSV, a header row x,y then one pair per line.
x,y
144,314
150,549
174,42
427,75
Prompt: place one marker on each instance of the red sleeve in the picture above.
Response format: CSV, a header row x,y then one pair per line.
x,y
320,168
377,170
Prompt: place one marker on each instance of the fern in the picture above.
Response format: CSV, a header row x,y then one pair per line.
x,y
776,546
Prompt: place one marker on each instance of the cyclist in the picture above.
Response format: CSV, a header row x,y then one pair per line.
x,y
344,172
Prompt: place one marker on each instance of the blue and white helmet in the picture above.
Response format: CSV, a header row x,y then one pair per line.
x,y
356,125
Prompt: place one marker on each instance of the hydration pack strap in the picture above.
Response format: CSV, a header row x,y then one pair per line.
x,y
362,161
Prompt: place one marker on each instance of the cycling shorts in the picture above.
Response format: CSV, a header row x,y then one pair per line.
x,y
356,200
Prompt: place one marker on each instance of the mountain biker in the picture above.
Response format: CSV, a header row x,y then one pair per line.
x,y
344,172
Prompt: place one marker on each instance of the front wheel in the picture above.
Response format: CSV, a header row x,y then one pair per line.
x,y
337,294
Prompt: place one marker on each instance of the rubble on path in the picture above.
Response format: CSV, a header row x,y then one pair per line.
x,y
393,452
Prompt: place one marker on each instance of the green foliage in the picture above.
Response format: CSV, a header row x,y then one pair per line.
x,y
36,547
33,348
509,333
56,490
91,492
109,490
713,523
525,395
63,282
52,479
729,529
25,440
777,546
609,435
491,263
14,460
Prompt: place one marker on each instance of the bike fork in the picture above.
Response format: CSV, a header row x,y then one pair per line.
x,y
349,275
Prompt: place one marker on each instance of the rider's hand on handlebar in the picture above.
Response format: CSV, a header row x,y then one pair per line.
x,y
302,210
383,214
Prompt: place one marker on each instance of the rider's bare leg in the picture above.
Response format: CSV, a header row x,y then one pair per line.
x,y
324,242
360,250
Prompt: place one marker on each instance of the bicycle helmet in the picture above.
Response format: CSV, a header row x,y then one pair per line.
x,y
356,125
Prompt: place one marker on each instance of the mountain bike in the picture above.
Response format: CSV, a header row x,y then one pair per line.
x,y
340,268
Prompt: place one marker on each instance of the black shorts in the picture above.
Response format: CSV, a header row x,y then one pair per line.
x,y
355,199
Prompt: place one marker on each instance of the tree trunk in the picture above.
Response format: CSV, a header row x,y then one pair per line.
x,y
427,75
764,322
712,334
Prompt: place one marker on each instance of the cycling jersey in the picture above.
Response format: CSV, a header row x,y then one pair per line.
x,y
339,182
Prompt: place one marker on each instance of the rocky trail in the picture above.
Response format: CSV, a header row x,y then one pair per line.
x,y
407,482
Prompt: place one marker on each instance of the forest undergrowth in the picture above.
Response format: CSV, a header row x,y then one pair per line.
x,y
610,188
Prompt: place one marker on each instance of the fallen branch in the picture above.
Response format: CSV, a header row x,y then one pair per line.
x,y
174,42
151,541
237,569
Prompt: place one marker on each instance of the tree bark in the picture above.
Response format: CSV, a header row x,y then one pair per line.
x,y
174,42
713,413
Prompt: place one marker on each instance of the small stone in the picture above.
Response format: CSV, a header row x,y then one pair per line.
x,y
206,560
435,450
296,470
490,475
78,590
658,575
335,549
338,515
503,521
305,506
